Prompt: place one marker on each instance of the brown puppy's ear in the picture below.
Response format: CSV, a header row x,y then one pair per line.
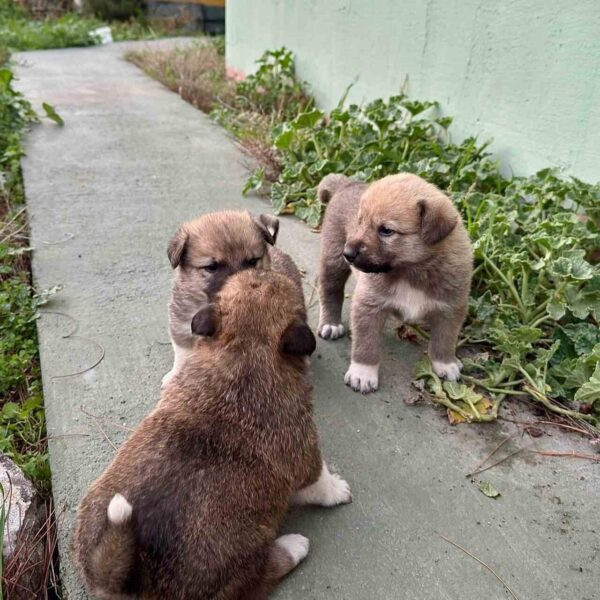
x,y
205,321
269,227
298,340
438,219
176,249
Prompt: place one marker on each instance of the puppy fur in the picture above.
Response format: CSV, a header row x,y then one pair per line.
x,y
405,241
192,502
204,253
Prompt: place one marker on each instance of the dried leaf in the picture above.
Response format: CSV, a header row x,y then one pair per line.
x,y
486,488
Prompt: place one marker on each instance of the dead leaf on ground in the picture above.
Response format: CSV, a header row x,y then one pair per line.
x,y
487,489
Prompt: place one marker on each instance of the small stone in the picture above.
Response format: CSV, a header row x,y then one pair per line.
x,y
24,516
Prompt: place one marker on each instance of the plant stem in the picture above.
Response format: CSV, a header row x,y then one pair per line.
x,y
558,409
508,283
489,388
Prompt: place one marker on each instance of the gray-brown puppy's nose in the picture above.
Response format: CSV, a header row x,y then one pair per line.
x,y
350,253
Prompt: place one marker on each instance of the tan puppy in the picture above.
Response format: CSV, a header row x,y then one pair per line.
x,y
407,245
191,505
204,253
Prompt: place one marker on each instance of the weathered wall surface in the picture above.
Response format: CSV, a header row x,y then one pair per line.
x,y
523,72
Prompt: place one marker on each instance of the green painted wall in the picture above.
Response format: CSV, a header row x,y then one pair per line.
x,y
523,72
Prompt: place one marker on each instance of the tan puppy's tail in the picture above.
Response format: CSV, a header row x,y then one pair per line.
x,y
329,185
112,559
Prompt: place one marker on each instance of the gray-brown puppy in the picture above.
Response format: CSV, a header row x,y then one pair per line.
x,y
203,254
191,504
406,242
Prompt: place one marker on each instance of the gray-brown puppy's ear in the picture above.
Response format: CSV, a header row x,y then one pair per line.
x,y
205,321
329,185
438,219
298,340
269,226
176,249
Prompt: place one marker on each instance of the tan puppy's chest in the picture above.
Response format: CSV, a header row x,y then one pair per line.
x,y
409,303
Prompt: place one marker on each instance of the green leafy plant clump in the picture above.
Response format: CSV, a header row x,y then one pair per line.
x,y
22,424
19,31
532,329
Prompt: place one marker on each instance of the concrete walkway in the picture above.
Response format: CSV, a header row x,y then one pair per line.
x,y
105,194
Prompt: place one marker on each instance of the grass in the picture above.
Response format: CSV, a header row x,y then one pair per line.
x,y
22,423
533,327
19,31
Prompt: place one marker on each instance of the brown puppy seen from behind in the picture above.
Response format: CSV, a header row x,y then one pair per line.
x,y
204,253
191,504
405,241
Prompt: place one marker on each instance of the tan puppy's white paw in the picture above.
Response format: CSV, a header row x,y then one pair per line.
x,y
362,378
295,545
329,490
331,332
449,370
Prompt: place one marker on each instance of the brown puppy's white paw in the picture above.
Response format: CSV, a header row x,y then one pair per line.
x,y
329,490
331,332
295,545
362,378
447,370
167,378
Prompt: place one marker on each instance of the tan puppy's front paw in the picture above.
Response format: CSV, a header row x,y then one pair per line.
x,y
362,378
331,332
447,370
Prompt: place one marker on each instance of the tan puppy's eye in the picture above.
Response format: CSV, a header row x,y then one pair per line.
x,y
251,262
212,267
383,231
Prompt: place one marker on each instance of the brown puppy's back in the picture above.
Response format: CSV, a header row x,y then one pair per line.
x,y
210,471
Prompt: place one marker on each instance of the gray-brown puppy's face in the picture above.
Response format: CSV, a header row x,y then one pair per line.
x,y
209,249
401,220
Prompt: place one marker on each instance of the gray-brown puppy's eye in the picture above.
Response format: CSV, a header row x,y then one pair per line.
x,y
384,231
212,267
251,262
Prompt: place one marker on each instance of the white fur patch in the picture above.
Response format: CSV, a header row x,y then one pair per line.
x,y
180,356
449,371
413,304
331,332
295,545
362,378
329,490
119,510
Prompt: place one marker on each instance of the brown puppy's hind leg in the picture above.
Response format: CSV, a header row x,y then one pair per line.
x,y
284,555
445,328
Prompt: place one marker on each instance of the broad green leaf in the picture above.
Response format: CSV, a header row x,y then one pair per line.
x,y
556,309
589,392
423,368
52,114
308,119
10,410
284,140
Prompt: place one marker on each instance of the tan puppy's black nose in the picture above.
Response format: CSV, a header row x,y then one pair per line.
x,y
350,253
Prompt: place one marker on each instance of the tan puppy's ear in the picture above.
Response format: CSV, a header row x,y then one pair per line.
x,y
269,227
438,219
298,340
205,321
176,249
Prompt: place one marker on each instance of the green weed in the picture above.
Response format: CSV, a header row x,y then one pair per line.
x,y
22,428
535,302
